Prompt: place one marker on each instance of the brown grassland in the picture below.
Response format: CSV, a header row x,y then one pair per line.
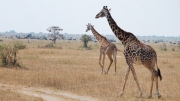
x,y
69,67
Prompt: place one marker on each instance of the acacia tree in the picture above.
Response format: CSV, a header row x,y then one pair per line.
x,y
54,33
85,38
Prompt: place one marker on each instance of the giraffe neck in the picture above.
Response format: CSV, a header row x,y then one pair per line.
x,y
123,36
97,35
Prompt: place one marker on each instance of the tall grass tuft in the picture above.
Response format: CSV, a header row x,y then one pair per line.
x,y
8,54
50,45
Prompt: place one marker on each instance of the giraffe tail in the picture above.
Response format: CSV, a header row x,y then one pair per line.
x,y
159,74
118,49
158,70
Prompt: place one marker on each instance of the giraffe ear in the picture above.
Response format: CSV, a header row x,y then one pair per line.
x,y
109,9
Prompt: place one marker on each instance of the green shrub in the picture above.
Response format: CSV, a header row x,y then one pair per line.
x,y
164,49
85,39
173,49
19,45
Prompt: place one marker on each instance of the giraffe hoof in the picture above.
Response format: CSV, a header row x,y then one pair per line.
x,y
149,96
120,94
140,94
158,94
105,72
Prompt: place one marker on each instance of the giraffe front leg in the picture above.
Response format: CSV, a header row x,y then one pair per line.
x,y
135,78
125,79
100,56
103,63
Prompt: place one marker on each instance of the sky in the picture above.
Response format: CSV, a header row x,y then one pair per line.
x,y
140,17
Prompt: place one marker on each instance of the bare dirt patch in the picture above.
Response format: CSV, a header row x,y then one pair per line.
x,y
46,93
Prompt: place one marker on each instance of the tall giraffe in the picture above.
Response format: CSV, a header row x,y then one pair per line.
x,y
106,47
135,52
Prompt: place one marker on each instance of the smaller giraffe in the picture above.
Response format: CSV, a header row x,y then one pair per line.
x,y
106,47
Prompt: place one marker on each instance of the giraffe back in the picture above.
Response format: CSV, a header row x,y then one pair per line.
x,y
140,53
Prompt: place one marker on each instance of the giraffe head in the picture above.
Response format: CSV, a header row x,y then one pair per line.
x,y
103,12
88,27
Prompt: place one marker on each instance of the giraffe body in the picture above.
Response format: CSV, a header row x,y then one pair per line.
x,y
106,47
135,52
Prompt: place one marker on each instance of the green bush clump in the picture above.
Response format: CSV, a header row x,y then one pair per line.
x,y
164,49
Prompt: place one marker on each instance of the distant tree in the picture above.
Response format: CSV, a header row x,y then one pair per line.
x,y
40,32
29,35
32,33
54,33
85,38
12,32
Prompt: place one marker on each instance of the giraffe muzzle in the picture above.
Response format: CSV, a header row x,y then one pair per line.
x,y
96,16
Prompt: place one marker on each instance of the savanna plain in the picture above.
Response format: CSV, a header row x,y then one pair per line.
x,y
68,67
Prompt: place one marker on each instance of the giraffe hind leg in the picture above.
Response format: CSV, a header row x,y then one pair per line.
x,y
157,91
152,80
154,76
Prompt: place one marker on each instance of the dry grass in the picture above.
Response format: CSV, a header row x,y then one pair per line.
x,y
76,70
